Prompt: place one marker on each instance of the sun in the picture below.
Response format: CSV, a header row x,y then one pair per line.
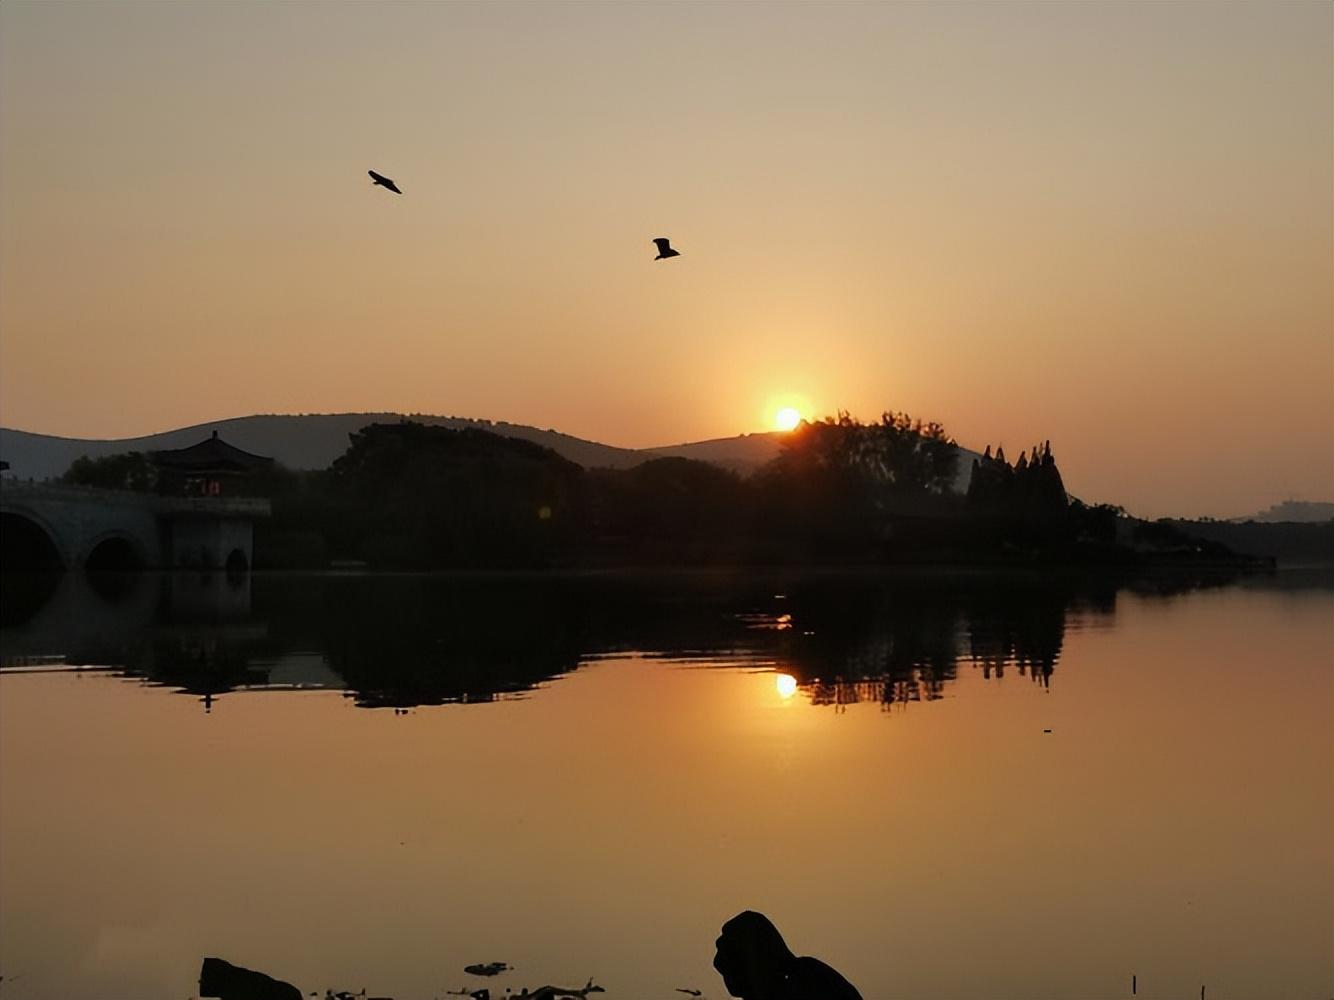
x,y
787,418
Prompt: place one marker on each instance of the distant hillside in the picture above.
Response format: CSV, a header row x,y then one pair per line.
x,y
1292,512
314,440
305,441
740,454
1290,542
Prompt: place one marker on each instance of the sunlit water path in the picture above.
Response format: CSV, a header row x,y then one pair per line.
x,y
942,789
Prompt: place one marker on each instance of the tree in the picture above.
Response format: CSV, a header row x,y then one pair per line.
x,y
836,480
131,470
898,454
908,455
419,496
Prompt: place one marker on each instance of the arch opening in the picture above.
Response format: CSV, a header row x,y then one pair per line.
x,y
113,555
25,547
30,568
113,568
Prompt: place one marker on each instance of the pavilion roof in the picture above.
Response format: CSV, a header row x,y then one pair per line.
x,y
213,453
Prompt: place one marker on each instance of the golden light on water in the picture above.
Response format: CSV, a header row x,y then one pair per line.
x,y
786,685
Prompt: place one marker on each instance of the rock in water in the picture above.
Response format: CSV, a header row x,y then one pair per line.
x,y
756,964
231,982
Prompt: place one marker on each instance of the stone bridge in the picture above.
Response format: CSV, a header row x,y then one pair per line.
x,y
42,525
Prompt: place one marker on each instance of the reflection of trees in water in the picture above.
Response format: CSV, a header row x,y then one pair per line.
x,y
886,643
1027,634
899,642
887,692
403,641
423,641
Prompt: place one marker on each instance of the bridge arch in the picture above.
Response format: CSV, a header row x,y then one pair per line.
x,y
28,542
114,552
118,530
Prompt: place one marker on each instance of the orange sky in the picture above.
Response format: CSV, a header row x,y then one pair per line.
x,y
1108,225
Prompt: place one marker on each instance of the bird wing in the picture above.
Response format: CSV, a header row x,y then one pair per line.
x,y
662,243
392,186
376,177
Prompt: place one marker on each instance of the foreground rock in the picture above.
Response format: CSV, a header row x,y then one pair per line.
x,y
541,993
231,982
486,969
756,964
552,992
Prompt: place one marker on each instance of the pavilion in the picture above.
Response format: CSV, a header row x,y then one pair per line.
x,y
201,469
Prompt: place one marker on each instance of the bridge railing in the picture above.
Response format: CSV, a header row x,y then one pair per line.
x,y
215,506
17,491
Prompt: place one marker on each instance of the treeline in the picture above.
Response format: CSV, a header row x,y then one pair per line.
x,y
1288,541
130,470
411,496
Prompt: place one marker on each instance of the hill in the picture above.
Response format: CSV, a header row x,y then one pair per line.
x,y
1293,543
741,454
298,441
1292,512
314,440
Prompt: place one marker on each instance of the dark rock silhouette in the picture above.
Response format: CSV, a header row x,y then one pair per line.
x,y
384,182
665,250
553,992
541,993
756,964
486,969
231,982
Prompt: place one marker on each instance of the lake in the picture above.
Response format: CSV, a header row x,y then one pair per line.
x,y
942,785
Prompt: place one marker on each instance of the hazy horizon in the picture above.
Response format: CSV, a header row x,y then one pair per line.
x,y
1107,225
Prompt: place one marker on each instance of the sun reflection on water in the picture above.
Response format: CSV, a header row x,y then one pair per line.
x,y
786,685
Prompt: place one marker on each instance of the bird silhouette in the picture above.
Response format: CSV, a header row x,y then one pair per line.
x,y
383,182
665,250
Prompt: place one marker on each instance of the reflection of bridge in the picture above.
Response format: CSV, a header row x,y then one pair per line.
x,y
110,529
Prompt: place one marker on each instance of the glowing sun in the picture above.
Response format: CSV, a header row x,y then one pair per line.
x,y
787,418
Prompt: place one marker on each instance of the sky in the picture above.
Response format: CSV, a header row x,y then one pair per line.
x,y
1107,225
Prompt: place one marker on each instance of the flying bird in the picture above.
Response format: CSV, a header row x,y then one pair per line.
x,y
383,182
665,248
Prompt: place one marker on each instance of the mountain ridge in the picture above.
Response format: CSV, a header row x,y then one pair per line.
x,y
1291,512
314,440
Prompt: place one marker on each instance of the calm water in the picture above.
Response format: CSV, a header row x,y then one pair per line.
x,y
350,782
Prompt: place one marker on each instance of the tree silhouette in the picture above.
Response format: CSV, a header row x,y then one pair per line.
x,y
422,496
131,470
838,481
